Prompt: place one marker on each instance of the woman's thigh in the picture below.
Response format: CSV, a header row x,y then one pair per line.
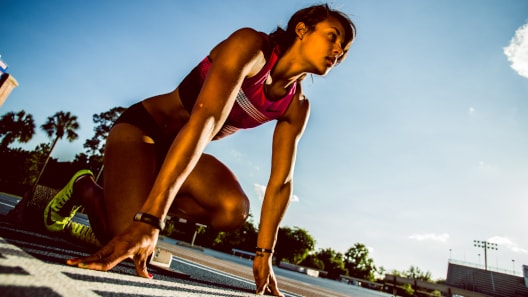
x,y
130,167
212,195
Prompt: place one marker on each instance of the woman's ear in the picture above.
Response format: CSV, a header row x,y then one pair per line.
x,y
300,30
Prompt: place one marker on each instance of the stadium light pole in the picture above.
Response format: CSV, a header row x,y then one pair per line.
x,y
485,245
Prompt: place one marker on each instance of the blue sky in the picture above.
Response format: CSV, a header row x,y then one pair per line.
x,y
416,144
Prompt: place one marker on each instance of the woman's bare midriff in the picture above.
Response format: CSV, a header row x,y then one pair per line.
x,y
168,111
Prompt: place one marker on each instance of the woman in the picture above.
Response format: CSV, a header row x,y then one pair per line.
x,y
155,162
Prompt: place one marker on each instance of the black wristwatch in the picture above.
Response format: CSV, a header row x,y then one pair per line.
x,y
149,219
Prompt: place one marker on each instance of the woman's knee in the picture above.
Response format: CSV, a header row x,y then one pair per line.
x,y
233,213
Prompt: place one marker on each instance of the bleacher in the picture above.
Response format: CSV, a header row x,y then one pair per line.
x,y
485,281
302,269
361,282
393,282
243,254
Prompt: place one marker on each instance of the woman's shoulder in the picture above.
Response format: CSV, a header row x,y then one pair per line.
x,y
250,35
245,44
246,40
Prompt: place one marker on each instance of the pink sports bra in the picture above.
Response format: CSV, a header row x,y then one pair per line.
x,y
252,107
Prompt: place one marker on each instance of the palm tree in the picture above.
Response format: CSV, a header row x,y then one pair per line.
x,y
57,126
16,126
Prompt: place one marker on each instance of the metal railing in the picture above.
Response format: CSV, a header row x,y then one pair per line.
x,y
490,268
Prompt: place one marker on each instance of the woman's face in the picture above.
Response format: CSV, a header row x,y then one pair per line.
x,y
323,46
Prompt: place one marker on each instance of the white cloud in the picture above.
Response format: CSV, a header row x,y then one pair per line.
x,y
471,110
260,190
430,236
507,243
517,51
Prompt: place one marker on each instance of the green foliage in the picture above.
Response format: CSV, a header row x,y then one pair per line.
x,y
61,124
333,262
415,273
104,122
20,168
358,263
27,168
312,261
13,171
404,290
95,146
244,238
58,125
169,228
94,163
16,127
36,162
381,272
293,245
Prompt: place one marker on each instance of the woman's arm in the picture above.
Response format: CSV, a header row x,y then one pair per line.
x,y
234,59
285,139
279,190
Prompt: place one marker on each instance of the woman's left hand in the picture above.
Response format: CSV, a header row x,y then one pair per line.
x,y
137,243
264,275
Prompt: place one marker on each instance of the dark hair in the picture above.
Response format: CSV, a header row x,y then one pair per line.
x,y
311,16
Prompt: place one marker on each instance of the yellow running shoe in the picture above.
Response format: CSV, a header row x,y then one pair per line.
x,y
82,233
59,212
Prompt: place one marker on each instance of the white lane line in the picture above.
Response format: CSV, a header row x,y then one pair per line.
x,y
199,266
225,274
6,204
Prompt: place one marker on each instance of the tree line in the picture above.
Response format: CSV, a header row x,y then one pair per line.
x,y
22,170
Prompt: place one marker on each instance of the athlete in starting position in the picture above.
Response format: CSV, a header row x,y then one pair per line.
x,y
154,158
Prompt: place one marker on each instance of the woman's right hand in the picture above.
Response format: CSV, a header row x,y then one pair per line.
x,y
264,276
137,242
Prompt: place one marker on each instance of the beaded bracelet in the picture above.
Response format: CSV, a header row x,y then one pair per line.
x,y
149,219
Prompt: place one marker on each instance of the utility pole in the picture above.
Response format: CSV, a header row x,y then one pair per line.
x,y
485,245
